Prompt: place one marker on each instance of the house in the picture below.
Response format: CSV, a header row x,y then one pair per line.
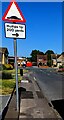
x,y
60,60
3,55
11,60
54,59
57,59
42,59
21,60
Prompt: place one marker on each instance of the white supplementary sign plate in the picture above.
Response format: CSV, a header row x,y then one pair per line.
x,y
15,30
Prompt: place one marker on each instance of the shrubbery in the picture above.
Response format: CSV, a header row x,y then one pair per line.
x,y
7,67
61,66
6,75
0,67
49,63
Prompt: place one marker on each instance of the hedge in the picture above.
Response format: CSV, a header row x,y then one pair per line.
x,y
7,67
5,75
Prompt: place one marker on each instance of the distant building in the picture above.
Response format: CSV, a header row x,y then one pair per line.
x,y
3,55
20,60
42,59
60,60
57,59
11,60
54,59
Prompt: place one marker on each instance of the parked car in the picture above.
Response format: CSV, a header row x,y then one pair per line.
x,y
29,64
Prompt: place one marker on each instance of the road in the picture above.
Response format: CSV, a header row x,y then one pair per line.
x,y
51,83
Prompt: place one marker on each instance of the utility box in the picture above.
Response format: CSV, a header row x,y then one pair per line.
x,y
21,72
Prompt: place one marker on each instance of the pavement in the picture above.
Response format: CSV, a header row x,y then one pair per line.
x,y
33,104
3,103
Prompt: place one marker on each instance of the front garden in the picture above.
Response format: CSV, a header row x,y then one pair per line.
x,y
7,79
61,68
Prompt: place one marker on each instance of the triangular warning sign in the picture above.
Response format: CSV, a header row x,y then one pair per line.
x,y
13,13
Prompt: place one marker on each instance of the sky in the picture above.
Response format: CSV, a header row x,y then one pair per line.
x,y
43,28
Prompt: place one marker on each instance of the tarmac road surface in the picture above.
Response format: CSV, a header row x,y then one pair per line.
x,y
51,83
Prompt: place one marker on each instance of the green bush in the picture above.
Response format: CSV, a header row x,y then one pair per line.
x,y
49,63
0,67
6,75
7,67
61,66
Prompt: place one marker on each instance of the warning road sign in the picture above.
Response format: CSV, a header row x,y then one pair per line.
x,y
15,30
13,13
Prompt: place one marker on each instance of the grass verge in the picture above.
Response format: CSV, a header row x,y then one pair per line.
x,y
7,85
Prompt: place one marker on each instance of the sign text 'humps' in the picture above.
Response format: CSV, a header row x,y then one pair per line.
x,y
15,30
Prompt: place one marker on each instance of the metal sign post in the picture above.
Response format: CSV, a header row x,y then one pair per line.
x,y
15,31
13,14
16,71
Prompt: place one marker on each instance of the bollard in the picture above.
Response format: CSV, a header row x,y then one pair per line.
x,y
21,72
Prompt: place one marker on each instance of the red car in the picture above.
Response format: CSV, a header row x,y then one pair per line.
x,y
29,64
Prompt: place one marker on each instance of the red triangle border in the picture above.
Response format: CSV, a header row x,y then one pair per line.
x,y
12,20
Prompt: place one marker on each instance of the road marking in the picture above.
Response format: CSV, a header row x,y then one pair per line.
x,y
34,78
24,81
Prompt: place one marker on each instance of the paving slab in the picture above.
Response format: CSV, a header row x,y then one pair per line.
x,y
35,107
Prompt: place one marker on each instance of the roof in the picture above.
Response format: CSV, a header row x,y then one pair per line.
x,y
3,50
10,57
42,57
61,58
54,56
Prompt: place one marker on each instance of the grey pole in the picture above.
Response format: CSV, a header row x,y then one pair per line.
x,y
16,72
56,58
51,60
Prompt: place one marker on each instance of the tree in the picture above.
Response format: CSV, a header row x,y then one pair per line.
x,y
34,54
62,53
49,52
49,60
29,59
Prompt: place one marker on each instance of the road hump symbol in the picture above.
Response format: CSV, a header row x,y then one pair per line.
x,y
13,13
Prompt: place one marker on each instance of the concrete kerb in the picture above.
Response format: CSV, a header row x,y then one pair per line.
x,y
6,102
4,111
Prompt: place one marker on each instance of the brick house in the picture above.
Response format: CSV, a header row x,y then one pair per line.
x,y
42,59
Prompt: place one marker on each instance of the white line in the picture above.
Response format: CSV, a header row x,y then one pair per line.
x,y
34,78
